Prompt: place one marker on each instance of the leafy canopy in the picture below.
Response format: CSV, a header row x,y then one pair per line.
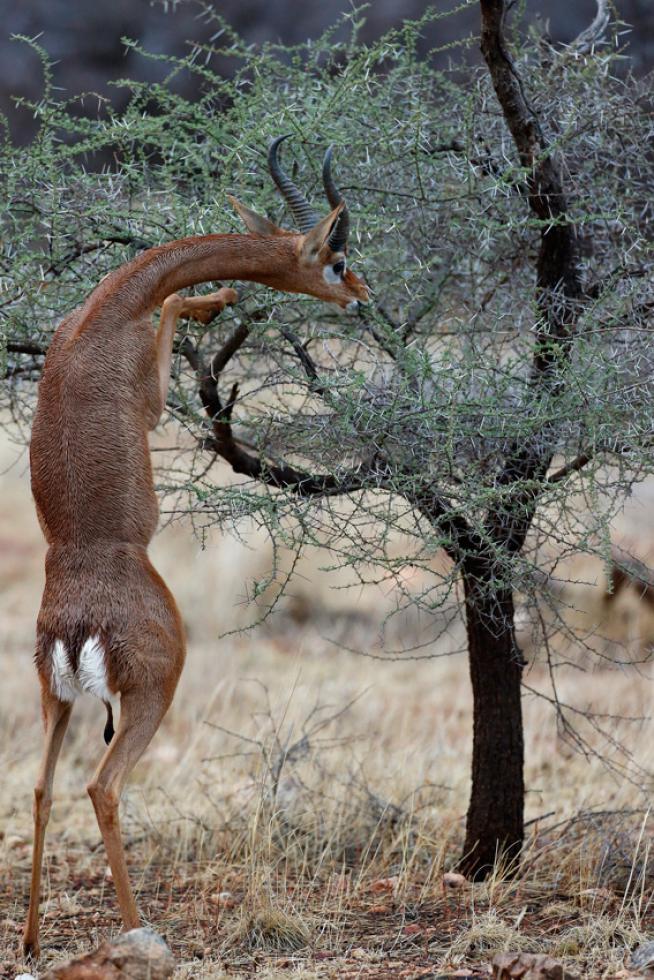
x,y
426,392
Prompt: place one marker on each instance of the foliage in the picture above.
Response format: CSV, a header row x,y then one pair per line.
x,y
432,385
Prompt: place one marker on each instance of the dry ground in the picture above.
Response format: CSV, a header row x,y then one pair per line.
x,y
297,811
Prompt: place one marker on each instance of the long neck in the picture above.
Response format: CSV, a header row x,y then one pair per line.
x,y
136,288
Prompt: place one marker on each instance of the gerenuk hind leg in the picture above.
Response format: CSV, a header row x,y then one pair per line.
x,y
56,715
140,716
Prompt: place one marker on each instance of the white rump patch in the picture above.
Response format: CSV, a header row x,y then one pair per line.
x,y
90,676
92,673
63,678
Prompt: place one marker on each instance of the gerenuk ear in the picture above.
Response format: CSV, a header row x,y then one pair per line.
x,y
314,240
254,222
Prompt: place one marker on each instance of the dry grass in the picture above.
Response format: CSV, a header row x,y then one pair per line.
x,y
296,812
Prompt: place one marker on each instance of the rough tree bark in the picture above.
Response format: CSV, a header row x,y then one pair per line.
x,y
495,820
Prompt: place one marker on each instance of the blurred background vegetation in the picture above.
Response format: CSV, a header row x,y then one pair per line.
x,y
85,39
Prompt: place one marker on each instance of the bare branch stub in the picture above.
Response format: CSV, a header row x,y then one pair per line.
x,y
306,361
26,347
27,369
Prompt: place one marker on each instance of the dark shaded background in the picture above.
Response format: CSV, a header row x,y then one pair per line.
x,y
84,36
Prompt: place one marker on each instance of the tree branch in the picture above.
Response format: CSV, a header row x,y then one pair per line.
x,y
306,360
558,282
221,358
460,538
461,541
278,475
574,466
56,268
25,347
627,570
586,41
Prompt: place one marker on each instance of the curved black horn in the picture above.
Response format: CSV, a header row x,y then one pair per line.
x,y
338,237
302,212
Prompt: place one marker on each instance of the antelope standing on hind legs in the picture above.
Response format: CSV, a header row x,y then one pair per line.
x,y
107,624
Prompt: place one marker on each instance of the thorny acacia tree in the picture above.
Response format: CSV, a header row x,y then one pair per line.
x,y
501,214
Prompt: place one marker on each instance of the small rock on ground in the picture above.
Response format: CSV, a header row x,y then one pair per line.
x,y
138,955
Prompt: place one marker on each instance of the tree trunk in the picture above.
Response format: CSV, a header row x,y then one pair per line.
x,y
495,821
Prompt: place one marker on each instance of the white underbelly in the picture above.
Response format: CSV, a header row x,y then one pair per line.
x,y
90,676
